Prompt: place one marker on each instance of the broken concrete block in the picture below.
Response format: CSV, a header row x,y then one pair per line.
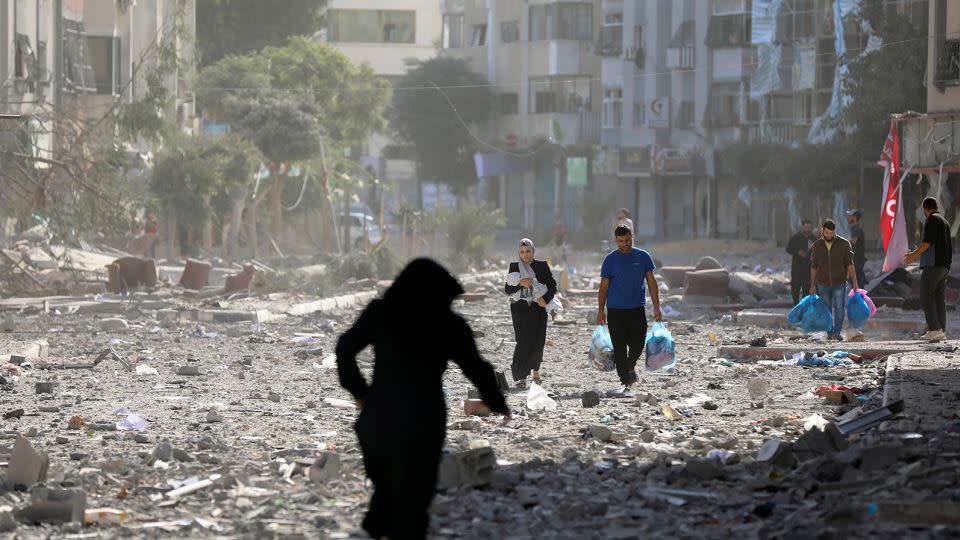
x,y
44,387
817,442
240,282
676,276
708,263
471,468
704,468
188,371
127,273
196,274
7,521
475,407
326,467
713,283
776,453
114,324
26,466
600,433
590,399
54,506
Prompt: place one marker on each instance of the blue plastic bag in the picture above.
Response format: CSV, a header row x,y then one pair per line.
x,y
858,310
660,348
601,350
813,314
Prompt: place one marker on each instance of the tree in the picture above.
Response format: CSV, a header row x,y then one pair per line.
x,y
287,101
433,108
233,27
190,172
885,81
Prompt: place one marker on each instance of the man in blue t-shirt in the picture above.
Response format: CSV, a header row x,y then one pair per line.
x,y
624,276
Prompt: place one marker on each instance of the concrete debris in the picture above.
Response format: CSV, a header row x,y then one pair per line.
x,y
470,468
26,466
250,434
49,505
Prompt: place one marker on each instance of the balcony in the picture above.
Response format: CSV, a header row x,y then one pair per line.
x,y
775,133
573,128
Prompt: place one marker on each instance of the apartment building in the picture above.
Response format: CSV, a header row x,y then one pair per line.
x,y
931,141
391,36
540,58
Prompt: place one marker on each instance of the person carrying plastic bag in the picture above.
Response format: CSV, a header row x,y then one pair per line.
x,y
859,308
660,347
813,314
601,350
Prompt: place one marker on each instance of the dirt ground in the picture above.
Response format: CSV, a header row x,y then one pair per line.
x,y
267,396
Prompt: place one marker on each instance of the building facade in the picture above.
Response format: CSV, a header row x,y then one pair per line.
x,y
931,141
391,36
540,58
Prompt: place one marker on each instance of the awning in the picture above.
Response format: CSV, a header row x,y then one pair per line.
x,y
500,164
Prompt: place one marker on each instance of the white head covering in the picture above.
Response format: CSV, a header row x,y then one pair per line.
x,y
526,271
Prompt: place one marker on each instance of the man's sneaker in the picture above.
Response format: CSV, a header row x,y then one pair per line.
x,y
521,384
937,335
925,336
617,391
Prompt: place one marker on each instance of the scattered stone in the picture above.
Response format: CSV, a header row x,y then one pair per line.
x,y
188,371
466,425
600,433
14,414
163,451
710,406
114,325
181,456
26,466
590,399
704,468
471,468
141,438
776,453
327,467
44,387
62,440
214,417
274,397
49,505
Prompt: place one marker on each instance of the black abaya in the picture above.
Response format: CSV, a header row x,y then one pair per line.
x,y
402,424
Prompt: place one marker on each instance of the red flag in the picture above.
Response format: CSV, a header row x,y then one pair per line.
x,y
890,160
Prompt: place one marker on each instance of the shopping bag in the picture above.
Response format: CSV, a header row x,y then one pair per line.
x,y
660,348
601,350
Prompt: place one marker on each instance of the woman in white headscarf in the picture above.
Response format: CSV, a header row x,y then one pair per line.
x,y
531,287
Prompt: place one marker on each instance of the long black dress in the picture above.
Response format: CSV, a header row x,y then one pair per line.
x,y
530,322
402,425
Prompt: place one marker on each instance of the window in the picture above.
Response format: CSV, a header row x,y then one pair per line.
x,y
479,35
509,31
612,107
726,7
611,35
723,109
639,115
562,95
371,26
681,53
24,60
685,114
77,69
453,31
399,26
509,103
105,60
562,20
948,64
635,159
728,31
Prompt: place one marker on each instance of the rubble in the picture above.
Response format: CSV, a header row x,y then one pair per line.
x,y
255,437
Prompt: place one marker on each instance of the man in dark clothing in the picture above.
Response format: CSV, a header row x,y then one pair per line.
x,y
859,243
799,247
831,263
622,277
403,417
936,256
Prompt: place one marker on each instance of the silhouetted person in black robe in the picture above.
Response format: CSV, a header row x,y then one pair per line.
x,y
403,418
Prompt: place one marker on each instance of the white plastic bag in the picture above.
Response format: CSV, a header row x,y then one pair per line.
x,y
538,400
